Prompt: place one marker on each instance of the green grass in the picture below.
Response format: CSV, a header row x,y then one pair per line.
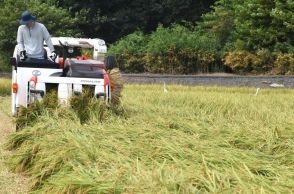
x,y
5,87
188,140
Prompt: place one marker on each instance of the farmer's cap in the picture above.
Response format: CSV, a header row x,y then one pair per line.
x,y
26,18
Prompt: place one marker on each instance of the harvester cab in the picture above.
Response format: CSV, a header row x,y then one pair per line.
x,y
79,65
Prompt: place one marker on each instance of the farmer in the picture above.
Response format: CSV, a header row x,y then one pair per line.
x,y
30,38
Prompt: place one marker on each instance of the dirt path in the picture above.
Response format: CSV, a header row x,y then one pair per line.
x,y
10,183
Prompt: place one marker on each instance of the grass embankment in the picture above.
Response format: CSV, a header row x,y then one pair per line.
x,y
188,140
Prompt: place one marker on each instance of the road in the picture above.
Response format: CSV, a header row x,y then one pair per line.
x,y
210,80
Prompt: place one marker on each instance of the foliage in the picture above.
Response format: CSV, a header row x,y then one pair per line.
x,y
220,21
131,63
180,37
186,60
284,64
112,20
177,49
153,30
247,41
262,62
252,25
4,61
284,22
208,140
134,43
240,61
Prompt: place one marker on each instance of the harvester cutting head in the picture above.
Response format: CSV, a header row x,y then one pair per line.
x,y
80,64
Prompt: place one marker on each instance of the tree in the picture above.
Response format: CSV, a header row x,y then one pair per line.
x,y
220,21
252,25
283,18
114,19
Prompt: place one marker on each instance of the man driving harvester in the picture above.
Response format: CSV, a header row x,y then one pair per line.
x,y
30,39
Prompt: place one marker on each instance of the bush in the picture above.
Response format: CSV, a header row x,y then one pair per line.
x,y
239,61
134,43
182,50
264,61
168,50
180,37
129,52
246,62
181,61
130,62
284,64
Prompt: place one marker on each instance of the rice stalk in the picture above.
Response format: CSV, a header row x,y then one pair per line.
x,y
5,87
193,140
116,82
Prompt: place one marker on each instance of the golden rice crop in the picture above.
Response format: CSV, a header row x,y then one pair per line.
x,y
185,140
116,82
5,87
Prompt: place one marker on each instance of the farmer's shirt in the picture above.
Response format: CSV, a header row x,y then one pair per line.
x,y
32,40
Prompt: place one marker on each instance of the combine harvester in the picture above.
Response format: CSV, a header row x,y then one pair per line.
x,y
69,74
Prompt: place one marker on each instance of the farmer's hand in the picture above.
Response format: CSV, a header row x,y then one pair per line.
x,y
22,55
53,55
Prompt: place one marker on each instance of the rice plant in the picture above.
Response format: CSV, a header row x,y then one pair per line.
x,y
29,116
189,140
5,87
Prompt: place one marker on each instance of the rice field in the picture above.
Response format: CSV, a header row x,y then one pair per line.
x,y
5,88
179,140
